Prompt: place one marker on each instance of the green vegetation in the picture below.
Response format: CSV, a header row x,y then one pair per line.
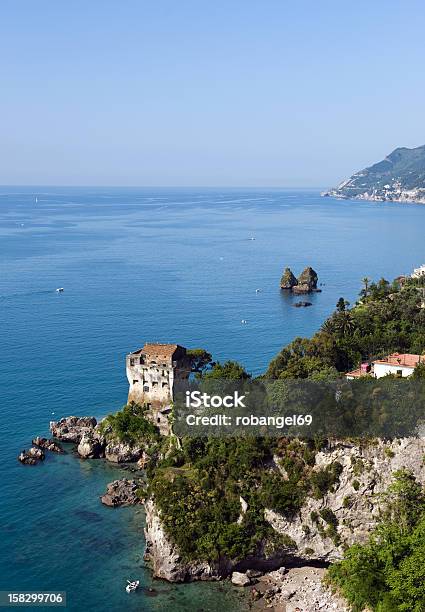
x,y
325,479
388,573
200,359
402,169
212,493
130,425
200,502
387,318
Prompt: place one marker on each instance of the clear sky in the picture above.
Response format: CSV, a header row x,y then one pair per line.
x,y
218,92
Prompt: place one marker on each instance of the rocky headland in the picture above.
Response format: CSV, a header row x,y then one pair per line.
x,y
400,177
94,440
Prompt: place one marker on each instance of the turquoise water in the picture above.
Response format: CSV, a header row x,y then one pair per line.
x,y
139,265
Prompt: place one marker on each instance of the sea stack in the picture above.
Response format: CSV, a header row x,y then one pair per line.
x,y
288,280
307,281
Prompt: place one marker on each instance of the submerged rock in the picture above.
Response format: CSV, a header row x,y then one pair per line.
x,y
122,492
72,428
288,280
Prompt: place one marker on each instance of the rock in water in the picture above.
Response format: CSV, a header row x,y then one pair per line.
x,y
288,280
47,444
72,428
26,459
122,493
307,281
90,447
32,456
36,453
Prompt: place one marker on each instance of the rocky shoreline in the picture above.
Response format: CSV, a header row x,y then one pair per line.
x,y
290,578
123,492
406,198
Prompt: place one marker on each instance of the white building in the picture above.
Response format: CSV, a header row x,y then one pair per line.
x,y
400,364
419,272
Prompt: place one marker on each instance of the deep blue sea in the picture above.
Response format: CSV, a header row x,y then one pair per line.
x,y
167,265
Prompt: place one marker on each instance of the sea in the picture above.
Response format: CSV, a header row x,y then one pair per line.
x,y
198,267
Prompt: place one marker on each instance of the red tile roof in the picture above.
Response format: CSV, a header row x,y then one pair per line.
x,y
356,373
158,350
401,359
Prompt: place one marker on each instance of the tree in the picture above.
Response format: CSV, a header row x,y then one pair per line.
x,y
387,574
365,291
200,359
230,370
342,304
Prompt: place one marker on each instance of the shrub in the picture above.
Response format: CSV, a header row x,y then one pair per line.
x,y
324,480
387,574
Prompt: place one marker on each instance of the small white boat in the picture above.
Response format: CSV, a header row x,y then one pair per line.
x,y
257,290
132,586
244,321
59,290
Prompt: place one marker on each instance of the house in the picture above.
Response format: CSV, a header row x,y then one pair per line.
x,y
363,370
400,364
419,272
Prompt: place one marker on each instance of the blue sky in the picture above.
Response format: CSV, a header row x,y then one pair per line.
x,y
190,92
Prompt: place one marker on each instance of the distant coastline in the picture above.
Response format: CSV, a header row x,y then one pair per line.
x,y
400,177
374,197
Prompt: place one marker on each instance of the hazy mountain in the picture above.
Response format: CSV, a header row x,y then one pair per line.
x,y
399,177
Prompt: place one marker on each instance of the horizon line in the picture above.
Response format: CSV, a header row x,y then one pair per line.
x,y
93,186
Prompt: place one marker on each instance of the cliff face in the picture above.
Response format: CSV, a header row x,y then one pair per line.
x,y
322,528
168,564
400,177
356,501
165,558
